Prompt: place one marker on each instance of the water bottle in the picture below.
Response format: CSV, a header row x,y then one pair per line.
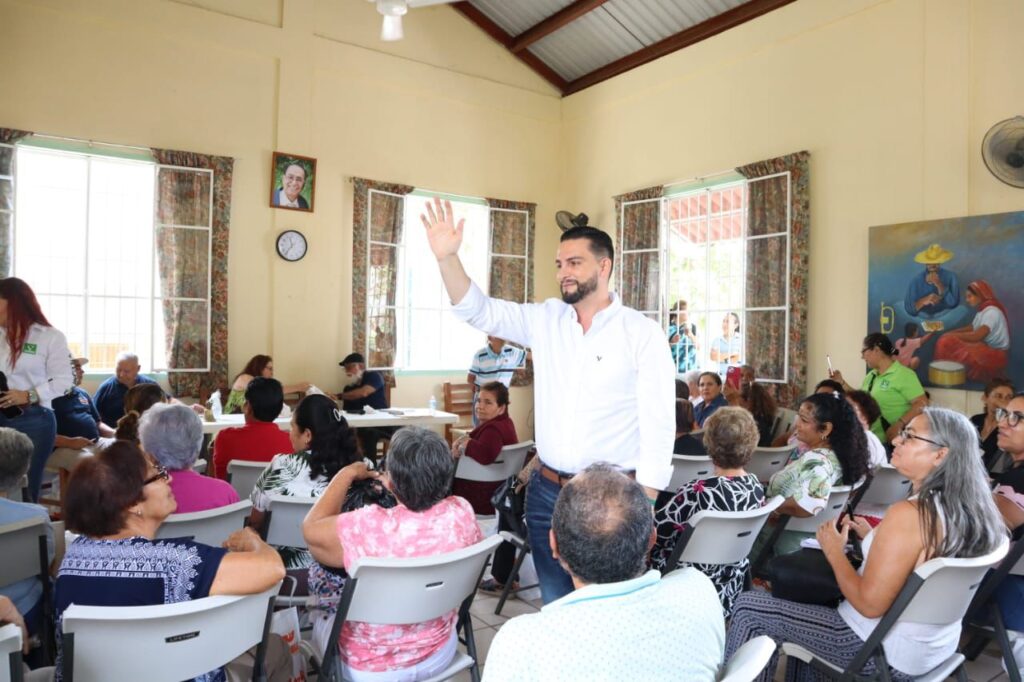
x,y
432,405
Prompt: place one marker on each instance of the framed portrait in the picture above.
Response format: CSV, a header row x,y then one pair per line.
x,y
292,182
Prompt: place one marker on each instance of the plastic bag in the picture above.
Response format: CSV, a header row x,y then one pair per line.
x,y
285,624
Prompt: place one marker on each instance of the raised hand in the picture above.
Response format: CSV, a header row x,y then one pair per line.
x,y
443,233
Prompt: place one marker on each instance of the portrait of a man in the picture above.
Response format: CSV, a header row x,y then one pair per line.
x,y
292,182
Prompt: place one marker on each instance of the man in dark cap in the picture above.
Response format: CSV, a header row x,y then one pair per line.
x,y
364,389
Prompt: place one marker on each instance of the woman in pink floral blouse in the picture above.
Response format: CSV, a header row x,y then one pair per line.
x,y
426,522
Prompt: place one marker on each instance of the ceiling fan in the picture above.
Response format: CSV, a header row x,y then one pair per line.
x,y
394,10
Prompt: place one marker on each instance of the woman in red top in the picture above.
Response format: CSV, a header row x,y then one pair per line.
x,y
484,443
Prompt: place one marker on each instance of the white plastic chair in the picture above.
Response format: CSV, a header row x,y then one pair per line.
x,y
984,619
25,554
166,642
749,660
938,592
837,499
285,517
784,418
418,589
887,487
210,527
242,476
509,463
199,466
10,654
720,537
686,468
766,462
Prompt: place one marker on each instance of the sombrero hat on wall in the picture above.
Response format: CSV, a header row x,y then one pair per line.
x,y
933,255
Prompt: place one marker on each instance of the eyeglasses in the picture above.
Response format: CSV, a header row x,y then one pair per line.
x,y
906,435
160,473
1012,418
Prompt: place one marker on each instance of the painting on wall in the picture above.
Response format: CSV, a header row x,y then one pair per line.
x,y
292,182
948,293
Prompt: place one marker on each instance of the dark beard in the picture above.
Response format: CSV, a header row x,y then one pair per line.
x,y
583,289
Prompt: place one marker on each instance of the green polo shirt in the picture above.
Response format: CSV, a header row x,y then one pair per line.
x,y
894,390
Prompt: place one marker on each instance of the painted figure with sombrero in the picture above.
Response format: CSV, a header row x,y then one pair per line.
x,y
935,290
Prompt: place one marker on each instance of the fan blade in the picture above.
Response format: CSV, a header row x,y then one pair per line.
x,y
428,3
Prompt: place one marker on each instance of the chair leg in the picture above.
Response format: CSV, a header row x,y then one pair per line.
x,y
1006,645
976,644
523,551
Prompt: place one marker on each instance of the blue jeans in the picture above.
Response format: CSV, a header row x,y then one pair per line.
x,y
1010,597
541,494
39,424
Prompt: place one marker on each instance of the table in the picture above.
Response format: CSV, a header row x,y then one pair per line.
x,y
409,416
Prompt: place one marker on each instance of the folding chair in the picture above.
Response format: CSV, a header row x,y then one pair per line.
x,y
509,463
749,660
766,462
887,487
199,466
418,589
719,537
984,620
458,399
210,527
938,592
164,642
686,468
242,476
284,520
25,554
10,652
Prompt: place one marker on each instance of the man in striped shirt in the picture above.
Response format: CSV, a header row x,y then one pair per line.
x,y
494,362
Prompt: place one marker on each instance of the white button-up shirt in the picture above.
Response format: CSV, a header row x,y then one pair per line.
x,y
604,396
44,363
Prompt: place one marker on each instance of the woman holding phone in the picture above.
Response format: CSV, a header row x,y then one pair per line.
x,y
36,366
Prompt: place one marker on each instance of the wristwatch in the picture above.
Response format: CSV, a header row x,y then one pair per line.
x,y
33,396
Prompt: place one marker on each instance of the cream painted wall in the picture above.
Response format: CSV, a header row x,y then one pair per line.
x,y
890,97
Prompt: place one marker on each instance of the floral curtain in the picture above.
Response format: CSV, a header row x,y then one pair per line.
x,y
7,136
183,260
769,201
377,217
512,234
638,226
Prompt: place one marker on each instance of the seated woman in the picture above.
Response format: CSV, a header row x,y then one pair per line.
x,y
323,444
789,438
998,393
710,388
686,443
1010,502
983,346
258,366
730,436
137,400
426,522
484,444
950,514
116,501
867,411
762,407
837,453
173,436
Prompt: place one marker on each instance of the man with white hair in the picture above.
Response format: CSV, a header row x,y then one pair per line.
x,y
109,396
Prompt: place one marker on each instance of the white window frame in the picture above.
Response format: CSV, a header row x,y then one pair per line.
x,y
14,197
525,257
399,260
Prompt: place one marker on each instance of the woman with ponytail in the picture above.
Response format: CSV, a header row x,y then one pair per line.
x,y
323,444
137,400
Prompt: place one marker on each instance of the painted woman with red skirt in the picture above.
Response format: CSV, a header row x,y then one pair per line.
x,y
983,346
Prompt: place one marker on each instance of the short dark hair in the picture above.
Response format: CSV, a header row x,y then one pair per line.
x,y
420,467
265,397
867,404
714,375
996,383
103,487
684,415
730,437
15,454
881,342
602,524
333,446
682,390
499,390
831,384
600,243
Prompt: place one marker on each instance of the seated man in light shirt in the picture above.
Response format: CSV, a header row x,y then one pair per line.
x,y
497,361
621,622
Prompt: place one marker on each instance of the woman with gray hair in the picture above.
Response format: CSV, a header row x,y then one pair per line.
x,y
173,435
951,513
426,521
730,436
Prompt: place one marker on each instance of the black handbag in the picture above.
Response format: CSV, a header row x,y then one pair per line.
x,y
804,576
509,502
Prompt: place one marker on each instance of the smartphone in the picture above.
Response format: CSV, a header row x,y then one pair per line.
x,y
831,372
732,377
12,411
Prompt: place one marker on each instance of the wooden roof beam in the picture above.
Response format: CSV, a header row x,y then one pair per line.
x,y
559,19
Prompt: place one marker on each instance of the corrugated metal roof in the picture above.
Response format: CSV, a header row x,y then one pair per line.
x,y
590,42
515,16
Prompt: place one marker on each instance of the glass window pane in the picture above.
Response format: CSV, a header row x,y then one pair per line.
x,y
382,276
67,313
640,224
117,325
508,232
120,235
188,321
641,274
386,216
6,240
725,262
6,159
508,278
458,343
766,265
381,337
184,197
183,259
766,342
6,195
419,338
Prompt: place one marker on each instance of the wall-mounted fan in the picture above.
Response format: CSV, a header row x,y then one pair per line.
x,y
568,220
1003,151
394,10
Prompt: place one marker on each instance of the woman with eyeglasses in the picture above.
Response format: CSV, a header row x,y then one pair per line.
x,y
116,502
950,514
1010,502
895,388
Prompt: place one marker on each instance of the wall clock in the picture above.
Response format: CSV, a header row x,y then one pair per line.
x,y
291,245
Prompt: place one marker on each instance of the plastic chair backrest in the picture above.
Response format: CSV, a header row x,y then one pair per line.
x,y
949,586
19,547
286,516
784,418
418,589
199,466
686,468
509,463
749,660
210,527
242,476
10,652
887,486
162,643
766,462
724,537
833,508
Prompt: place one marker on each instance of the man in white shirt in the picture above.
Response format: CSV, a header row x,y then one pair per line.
x,y
288,194
604,388
621,622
